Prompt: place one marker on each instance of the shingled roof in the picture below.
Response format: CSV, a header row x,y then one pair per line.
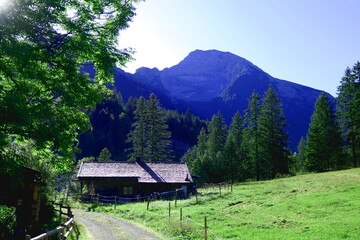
x,y
145,172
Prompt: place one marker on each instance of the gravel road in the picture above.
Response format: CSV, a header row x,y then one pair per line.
x,y
102,226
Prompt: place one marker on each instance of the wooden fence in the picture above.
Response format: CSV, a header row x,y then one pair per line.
x,y
61,232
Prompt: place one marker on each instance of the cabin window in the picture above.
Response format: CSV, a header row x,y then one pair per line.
x,y
128,190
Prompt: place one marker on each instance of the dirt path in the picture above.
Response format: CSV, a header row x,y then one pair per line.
x,y
105,227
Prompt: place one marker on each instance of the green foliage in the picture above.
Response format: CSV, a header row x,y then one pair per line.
x,y
149,135
251,143
274,157
300,158
254,147
138,136
105,156
110,125
215,146
324,149
7,222
233,152
348,113
43,45
158,135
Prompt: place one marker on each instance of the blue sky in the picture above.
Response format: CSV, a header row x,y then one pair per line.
x,y
310,42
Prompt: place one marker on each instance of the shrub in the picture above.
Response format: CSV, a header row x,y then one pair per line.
x,y
7,222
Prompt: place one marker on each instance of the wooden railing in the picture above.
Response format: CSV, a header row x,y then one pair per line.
x,y
61,232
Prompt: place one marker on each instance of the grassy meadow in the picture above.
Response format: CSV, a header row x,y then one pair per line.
x,y
310,206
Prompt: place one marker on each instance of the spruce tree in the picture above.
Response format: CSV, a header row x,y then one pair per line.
x,y
233,150
215,146
138,135
300,157
104,156
231,160
236,129
157,145
251,142
348,111
324,144
274,148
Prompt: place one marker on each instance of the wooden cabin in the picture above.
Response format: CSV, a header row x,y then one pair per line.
x,y
134,179
21,190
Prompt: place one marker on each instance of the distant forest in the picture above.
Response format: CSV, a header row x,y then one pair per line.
x,y
111,122
254,146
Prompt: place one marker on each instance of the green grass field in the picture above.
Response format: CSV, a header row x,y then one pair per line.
x,y
311,206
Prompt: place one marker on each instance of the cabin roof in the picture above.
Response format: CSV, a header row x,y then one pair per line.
x,y
145,172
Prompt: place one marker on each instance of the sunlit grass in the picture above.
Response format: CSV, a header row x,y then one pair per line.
x,y
311,206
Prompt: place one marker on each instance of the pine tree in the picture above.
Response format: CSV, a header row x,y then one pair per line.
x,y
236,129
251,142
138,135
348,111
104,156
215,146
324,144
233,152
158,136
274,148
202,142
231,159
300,157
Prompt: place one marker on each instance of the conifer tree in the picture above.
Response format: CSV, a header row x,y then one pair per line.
x,y
217,135
233,157
348,112
215,146
149,136
300,157
196,157
274,148
236,129
104,156
138,135
157,145
251,141
202,142
324,144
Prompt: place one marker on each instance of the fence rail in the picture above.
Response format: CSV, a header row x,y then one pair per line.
x,y
116,199
62,231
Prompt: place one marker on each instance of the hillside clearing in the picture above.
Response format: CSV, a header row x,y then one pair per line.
x,y
311,206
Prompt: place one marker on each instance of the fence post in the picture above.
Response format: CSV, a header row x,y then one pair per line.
x,y
181,217
115,203
69,213
176,199
169,210
231,186
60,209
196,195
205,229
98,198
220,188
148,203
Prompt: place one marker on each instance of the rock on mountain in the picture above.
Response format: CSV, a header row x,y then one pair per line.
x,y
210,81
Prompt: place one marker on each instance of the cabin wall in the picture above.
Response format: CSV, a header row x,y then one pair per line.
x,y
131,187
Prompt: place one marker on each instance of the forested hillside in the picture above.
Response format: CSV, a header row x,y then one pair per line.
x,y
111,123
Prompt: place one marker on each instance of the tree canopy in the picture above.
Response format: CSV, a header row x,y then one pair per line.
x,y
348,112
43,46
149,135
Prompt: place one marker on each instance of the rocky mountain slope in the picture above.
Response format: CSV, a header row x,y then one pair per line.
x,y
210,81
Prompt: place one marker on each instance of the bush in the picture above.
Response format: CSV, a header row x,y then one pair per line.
x,y
7,222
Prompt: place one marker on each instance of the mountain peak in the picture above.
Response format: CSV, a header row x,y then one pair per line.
x,y
203,75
